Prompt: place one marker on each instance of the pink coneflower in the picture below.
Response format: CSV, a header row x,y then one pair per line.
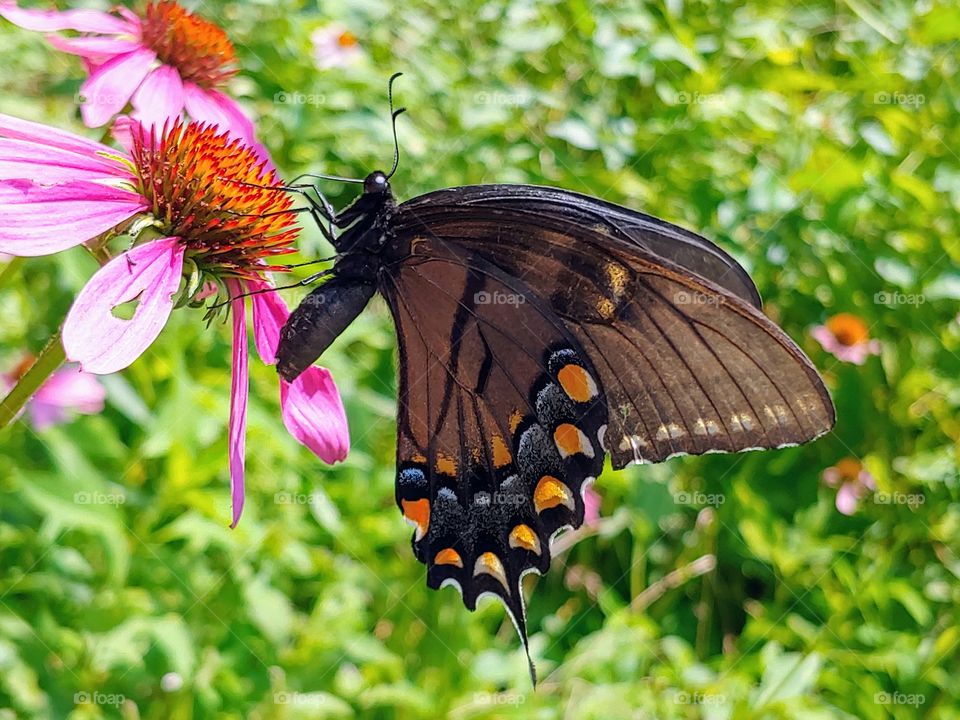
x,y
68,391
846,337
334,46
162,62
58,190
853,482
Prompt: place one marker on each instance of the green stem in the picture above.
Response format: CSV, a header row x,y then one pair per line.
x,y
50,358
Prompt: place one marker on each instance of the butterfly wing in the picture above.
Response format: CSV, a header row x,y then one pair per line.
x,y
499,421
670,322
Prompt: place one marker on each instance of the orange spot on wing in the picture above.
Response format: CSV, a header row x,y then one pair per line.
x,y
516,417
523,536
550,493
446,465
448,556
490,564
568,438
417,512
501,453
419,459
577,383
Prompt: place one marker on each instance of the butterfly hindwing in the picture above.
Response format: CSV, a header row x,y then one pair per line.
x,y
499,423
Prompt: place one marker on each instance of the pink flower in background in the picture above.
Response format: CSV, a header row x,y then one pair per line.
x,y
591,507
334,46
853,481
58,190
161,62
847,337
66,392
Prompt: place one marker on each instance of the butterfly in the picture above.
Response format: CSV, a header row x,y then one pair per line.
x,y
540,330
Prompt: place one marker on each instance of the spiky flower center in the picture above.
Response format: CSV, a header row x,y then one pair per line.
x,y
217,196
199,50
848,329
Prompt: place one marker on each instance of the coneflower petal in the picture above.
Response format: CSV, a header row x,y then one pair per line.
x,y
270,312
18,129
108,90
313,413
25,160
96,49
215,108
159,98
239,390
100,341
55,20
44,219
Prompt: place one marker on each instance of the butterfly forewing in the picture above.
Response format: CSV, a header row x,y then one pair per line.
x,y
688,364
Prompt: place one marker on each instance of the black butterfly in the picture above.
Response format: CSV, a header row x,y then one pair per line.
x,y
538,330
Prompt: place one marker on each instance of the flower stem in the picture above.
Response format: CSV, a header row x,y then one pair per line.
x,y
50,358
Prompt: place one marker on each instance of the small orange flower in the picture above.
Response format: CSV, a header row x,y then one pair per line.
x,y
847,337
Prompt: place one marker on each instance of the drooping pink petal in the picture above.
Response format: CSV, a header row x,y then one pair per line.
x,y
159,99
102,342
67,390
54,20
51,137
239,389
313,413
44,219
108,90
215,108
97,50
847,499
269,314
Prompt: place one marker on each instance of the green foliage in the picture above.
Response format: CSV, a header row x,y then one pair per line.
x,y
816,141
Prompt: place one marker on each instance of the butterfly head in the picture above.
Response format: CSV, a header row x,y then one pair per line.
x,y
376,183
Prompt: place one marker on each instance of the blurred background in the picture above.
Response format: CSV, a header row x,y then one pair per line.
x,y
817,142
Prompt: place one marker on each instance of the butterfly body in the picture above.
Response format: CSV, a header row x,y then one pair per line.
x,y
538,331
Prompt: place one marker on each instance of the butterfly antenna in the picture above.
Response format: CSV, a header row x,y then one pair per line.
x,y
394,114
